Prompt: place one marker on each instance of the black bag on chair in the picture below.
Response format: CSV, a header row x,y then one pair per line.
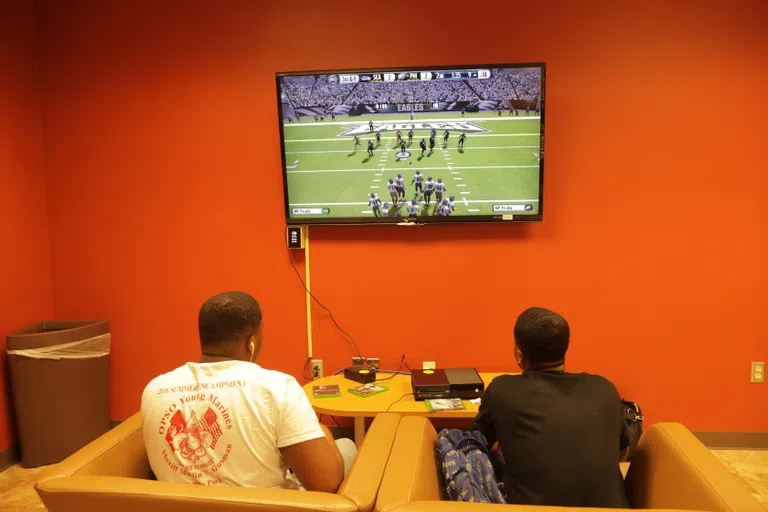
x,y
633,424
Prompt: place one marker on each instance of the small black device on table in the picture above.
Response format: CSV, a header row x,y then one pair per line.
x,y
360,374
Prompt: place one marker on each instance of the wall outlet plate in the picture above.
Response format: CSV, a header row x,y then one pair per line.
x,y
374,362
428,365
358,361
317,369
758,373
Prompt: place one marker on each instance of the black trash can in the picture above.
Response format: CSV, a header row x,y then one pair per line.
x,y
60,379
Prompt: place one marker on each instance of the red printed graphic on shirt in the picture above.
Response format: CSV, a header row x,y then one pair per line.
x,y
193,437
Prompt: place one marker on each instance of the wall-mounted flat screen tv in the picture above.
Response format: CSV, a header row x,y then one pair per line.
x,y
415,144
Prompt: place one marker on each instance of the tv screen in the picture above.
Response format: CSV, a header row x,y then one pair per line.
x,y
420,145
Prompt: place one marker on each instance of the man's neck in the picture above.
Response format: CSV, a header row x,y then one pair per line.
x,y
549,367
211,358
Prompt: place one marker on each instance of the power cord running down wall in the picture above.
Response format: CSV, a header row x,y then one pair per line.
x,y
330,314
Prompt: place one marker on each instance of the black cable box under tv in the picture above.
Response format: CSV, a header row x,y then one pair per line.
x,y
462,383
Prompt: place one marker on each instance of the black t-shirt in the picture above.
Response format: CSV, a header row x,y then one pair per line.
x,y
560,435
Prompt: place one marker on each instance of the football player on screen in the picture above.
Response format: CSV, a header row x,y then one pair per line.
x,y
429,187
370,147
378,138
452,203
385,210
393,192
375,203
462,138
410,137
413,208
446,134
443,209
423,146
357,142
400,182
431,144
433,134
399,136
418,178
402,146
439,189
370,126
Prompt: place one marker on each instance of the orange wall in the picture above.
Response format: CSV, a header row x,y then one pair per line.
x,y
25,267
165,172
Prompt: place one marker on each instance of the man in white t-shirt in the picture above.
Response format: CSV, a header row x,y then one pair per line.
x,y
227,421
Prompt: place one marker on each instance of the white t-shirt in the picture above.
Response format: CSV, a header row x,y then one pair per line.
x,y
224,424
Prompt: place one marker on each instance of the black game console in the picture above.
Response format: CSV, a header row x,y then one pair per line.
x,y
430,384
462,383
465,383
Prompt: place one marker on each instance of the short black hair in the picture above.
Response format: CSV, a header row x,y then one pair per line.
x,y
227,319
542,335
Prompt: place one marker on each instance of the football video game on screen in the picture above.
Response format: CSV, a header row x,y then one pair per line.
x,y
413,145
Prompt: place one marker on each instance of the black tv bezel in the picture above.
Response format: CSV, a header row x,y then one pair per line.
x,y
430,219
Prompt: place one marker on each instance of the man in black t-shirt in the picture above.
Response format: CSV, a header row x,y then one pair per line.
x,y
560,434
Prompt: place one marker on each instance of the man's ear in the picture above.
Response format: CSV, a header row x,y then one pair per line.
x,y
519,357
254,343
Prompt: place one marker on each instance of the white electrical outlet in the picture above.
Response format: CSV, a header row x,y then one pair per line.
x,y
758,373
428,365
317,369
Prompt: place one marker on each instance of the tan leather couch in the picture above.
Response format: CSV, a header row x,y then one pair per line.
x,y
112,474
452,506
670,470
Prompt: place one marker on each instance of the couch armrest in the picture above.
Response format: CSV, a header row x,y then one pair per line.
x,y
119,452
117,494
363,480
673,469
412,472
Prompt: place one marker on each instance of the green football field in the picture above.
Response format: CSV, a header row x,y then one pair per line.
x,y
496,173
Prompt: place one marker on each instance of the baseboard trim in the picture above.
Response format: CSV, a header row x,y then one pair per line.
x,y
9,457
723,440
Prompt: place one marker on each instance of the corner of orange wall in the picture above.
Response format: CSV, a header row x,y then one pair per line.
x,y
25,266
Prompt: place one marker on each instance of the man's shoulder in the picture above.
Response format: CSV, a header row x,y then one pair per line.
x,y
254,375
169,378
597,383
242,373
504,382
274,377
595,379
